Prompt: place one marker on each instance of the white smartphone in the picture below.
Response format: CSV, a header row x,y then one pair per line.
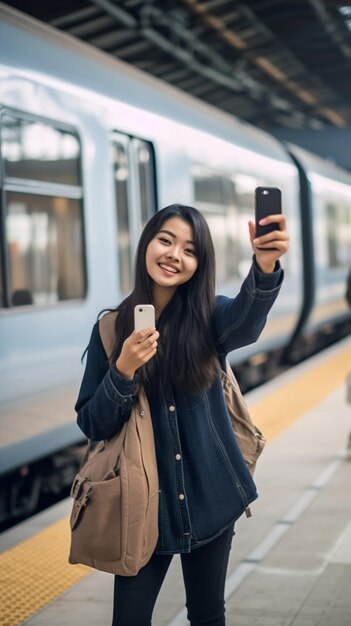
x,y
144,316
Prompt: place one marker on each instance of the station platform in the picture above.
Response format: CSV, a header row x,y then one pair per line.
x,y
290,563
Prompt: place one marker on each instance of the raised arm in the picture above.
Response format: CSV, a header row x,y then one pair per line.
x,y
239,321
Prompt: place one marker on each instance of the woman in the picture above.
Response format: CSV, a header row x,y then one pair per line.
x,y
204,482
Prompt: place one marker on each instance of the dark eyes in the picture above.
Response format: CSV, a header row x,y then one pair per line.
x,y
168,242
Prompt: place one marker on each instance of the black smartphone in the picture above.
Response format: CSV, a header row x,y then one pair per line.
x,y
268,201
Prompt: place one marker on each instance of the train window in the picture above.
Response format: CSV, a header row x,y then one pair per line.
x,y
339,234
121,179
244,186
215,197
32,150
43,243
135,192
44,248
227,200
209,188
1,283
145,162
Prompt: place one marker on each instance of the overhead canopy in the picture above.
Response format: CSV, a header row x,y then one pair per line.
x,y
272,63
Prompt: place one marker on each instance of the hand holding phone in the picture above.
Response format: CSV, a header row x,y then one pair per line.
x,y
268,201
141,345
144,316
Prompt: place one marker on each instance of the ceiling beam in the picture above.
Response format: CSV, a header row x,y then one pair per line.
x,y
331,26
265,64
186,56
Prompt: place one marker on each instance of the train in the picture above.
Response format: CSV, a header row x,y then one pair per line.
x,y
90,148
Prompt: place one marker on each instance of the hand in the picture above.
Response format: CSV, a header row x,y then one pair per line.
x,y
137,350
270,247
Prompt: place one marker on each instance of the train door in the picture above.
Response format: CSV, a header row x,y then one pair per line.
x,y
135,198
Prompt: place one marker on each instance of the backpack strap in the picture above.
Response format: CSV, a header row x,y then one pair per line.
x,y
107,332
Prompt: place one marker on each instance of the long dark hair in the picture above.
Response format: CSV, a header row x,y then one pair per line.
x,y
186,354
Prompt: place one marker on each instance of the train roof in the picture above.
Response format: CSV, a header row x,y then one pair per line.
x,y
314,164
61,61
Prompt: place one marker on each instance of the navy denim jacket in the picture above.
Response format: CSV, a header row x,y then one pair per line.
x,y
204,481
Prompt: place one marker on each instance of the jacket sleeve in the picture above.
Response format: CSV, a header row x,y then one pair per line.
x,y
239,321
105,399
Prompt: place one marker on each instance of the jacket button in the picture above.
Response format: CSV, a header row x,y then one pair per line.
x,y
142,413
171,408
178,457
181,496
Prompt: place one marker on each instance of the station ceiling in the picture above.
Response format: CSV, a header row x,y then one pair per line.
x,y
273,63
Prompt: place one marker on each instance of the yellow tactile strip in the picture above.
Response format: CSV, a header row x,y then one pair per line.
x,y
274,413
36,571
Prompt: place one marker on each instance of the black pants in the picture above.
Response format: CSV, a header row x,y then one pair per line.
x,y
204,573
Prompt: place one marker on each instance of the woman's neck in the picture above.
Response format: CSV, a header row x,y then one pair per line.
x,y
161,297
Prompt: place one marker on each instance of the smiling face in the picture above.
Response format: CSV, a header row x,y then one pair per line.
x,y
171,256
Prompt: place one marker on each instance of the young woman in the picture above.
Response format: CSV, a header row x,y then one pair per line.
x,y
204,482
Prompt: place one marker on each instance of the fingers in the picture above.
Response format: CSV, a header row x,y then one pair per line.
x,y
252,231
144,344
277,218
137,349
145,341
280,220
141,335
147,346
270,247
277,239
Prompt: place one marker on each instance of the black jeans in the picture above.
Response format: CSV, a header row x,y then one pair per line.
x,y
204,573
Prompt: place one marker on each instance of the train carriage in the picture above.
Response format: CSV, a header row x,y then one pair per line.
x,y
90,148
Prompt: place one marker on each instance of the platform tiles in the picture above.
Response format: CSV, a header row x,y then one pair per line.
x,y
290,563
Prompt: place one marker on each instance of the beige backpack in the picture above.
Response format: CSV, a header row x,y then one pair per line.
x,y
114,518
250,439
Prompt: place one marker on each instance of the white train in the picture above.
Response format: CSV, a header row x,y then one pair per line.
x,y
90,148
